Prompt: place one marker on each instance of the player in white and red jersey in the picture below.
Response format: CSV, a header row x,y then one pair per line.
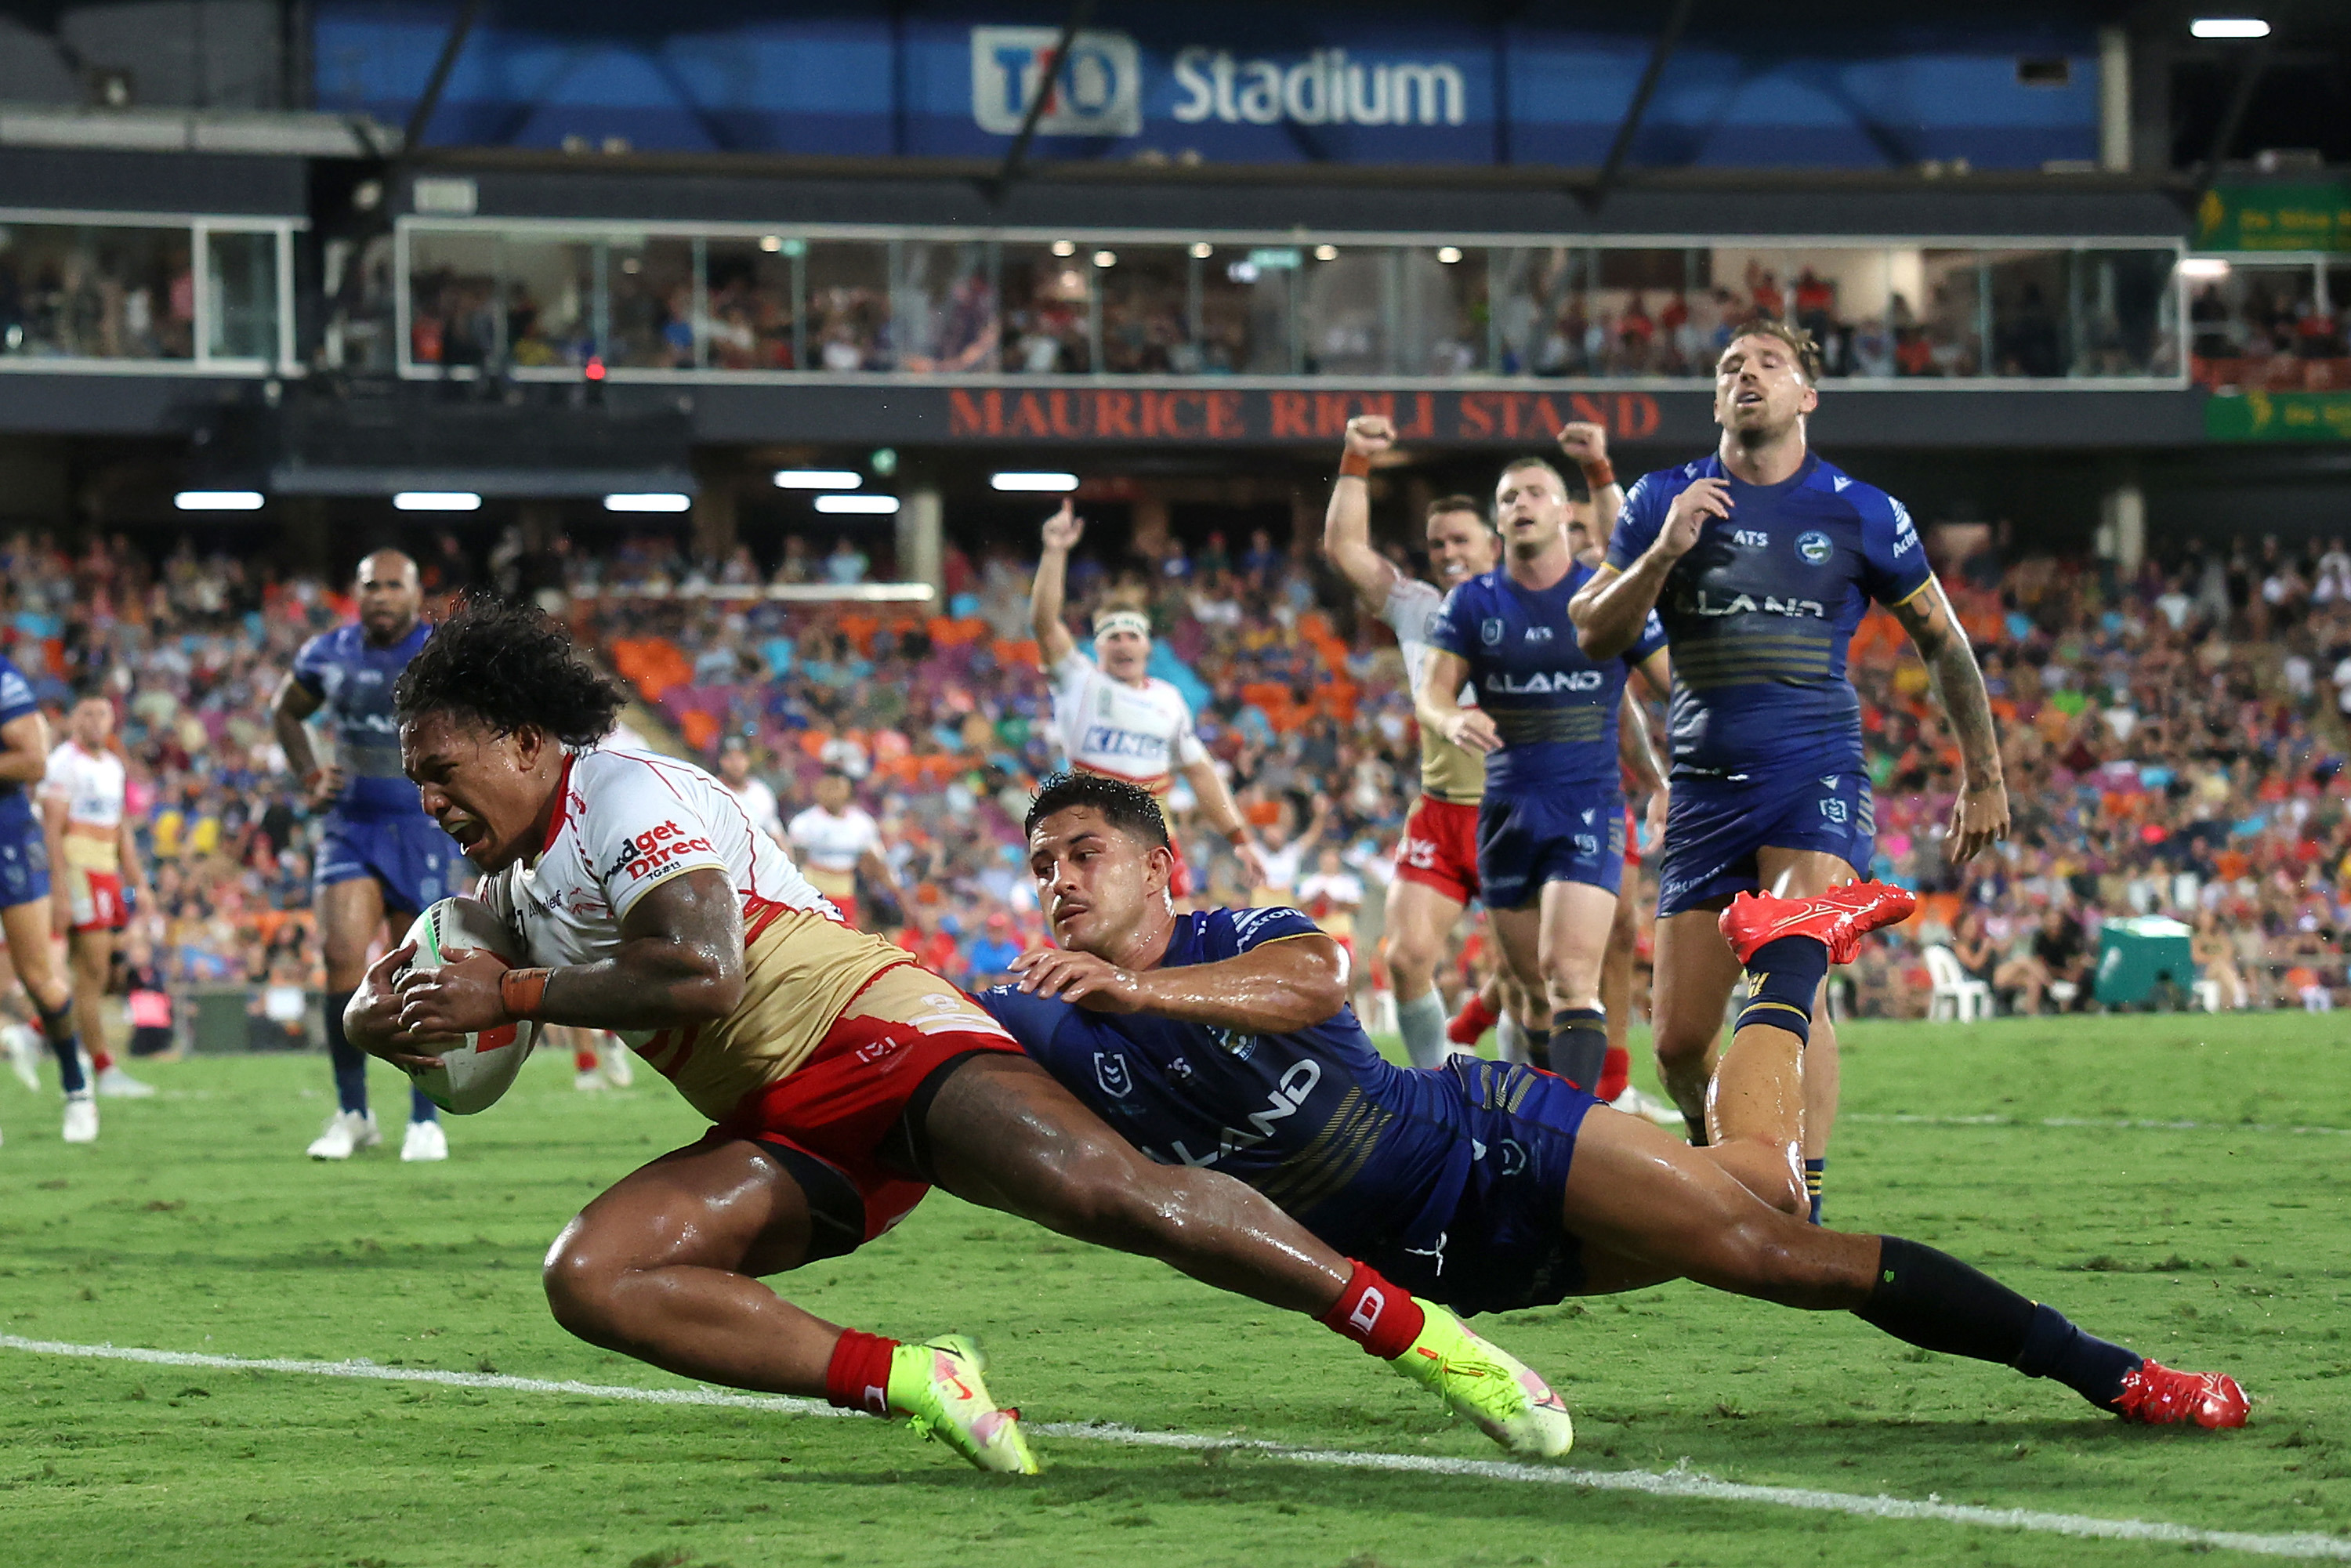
x,y
835,839
844,1078
93,852
1113,718
759,801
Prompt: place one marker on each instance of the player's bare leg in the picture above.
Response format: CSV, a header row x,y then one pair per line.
x,y
1571,946
89,956
1418,919
1807,873
27,927
1694,973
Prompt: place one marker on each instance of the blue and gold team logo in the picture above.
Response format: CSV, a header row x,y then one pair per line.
x,y
1490,631
1814,546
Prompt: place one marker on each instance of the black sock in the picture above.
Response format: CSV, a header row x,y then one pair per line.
x,y
350,1061
57,1029
1782,978
1931,1300
1538,1046
1579,1045
1813,1173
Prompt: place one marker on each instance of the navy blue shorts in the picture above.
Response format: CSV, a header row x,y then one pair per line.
x,y
24,861
1571,837
1508,1246
409,856
1714,826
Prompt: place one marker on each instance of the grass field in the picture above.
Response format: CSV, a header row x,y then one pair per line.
x,y
196,1225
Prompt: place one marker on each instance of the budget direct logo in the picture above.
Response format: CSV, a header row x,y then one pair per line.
x,y
1098,91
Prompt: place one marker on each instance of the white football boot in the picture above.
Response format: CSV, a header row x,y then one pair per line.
x,y
1634,1103
615,1059
346,1133
588,1081
81,1118
23,1044
117,1084
425,1141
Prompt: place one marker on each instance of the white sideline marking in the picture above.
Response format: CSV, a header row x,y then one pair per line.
x,y
2122,1123
1677,1482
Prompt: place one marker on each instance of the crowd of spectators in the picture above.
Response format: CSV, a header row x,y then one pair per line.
x,y
2174,740
2273,328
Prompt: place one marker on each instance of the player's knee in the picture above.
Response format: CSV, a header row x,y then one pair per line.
x,y
1780,1258
580,1278
1412,960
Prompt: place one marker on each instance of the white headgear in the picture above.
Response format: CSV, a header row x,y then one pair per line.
x,y
1111,620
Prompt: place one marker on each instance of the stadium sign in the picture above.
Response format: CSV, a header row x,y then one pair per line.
x,y
2258,415
1097,92
1238,415
2298,217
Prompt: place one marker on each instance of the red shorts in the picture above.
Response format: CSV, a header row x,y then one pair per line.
x,y
97,900
828,1123
1632,839
1180,876
1439,848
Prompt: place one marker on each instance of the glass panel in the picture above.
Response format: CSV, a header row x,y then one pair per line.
x,y
1441,311
652,283
1540,319
2127,311
1148,322
549,299
244,304
1948,335
1048,301
2029,325
1348,301
451,293
749,296
944,310
849,306
85,292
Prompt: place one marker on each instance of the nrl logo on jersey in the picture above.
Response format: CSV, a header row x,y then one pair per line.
x,y
1490,631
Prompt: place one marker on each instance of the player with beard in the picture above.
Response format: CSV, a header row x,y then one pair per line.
x,y
1761,560
844,1080
379,857
1221,1037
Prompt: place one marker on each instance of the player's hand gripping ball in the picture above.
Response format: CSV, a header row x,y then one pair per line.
x,y
475,1069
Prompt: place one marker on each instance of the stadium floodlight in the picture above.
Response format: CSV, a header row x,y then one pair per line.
x,y
1105,258
1034,483
2228,27
859,506
649,501
1449,253
218,500
771,244
2204,267
436,501
818,479
1326,253
1202,250
1065,247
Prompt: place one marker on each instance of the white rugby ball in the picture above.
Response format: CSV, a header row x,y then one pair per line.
x,y
476,1071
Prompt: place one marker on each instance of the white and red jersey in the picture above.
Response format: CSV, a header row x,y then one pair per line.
x,y
1138,733
759,803
831,847
1447,771
91,784
628,822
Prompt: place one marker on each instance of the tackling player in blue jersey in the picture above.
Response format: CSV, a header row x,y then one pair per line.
x,y
28,912
380,854
1553,727
1222,1038
1760,560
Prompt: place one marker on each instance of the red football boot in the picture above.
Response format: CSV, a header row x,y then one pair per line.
x,y
2160,1396
1468,1026
1839,918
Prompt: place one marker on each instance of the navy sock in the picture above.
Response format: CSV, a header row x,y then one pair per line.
x,y
420,1109
1539,1047
1782,978
1579,1045
350,1061
57,1029
1813,1170
1931,1300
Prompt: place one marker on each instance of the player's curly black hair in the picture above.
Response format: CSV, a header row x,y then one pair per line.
x,y
507,665
1122,805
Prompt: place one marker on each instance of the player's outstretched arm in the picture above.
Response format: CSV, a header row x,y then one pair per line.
x,y
1436,703
1290,983
1980,817
1610,611
1585,445
1347,523
680,962
1062,531
24,750
293,704
1223,814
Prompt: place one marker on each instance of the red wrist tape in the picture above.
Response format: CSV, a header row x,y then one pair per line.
x,y
1355,466
1598,475
520,991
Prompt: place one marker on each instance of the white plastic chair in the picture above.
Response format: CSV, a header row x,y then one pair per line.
x,y
1956,996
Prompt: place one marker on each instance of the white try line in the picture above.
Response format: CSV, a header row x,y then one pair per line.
x,y
1677,1482
2119,1123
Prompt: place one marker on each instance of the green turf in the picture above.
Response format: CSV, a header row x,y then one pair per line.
x,y
195,1224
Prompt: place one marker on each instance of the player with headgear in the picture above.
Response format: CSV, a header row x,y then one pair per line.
x,y
1221,1039
380,858
1760,560
1112,716
841,1078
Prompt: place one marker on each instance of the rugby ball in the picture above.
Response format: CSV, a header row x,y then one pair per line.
x,y
476,1071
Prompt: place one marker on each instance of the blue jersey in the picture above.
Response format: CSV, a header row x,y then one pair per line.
x,y
1761,610
1554,709
15,702
352,680
1362,1153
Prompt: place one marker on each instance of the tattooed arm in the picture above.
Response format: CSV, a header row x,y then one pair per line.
x,y
1979,818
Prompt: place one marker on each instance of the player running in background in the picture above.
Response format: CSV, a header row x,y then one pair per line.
x,y
91,851
834,840
27,914
1557,736
1115,718
845,1078
1761,560
1221,1039
379,857
750,791
1436,859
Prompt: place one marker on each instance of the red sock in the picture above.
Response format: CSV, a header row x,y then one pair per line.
x,y
101,1060
858,1375
1381,1317
1470,1024
584,1060
1615,1072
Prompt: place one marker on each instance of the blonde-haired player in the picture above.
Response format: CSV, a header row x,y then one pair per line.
x,y
92,851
